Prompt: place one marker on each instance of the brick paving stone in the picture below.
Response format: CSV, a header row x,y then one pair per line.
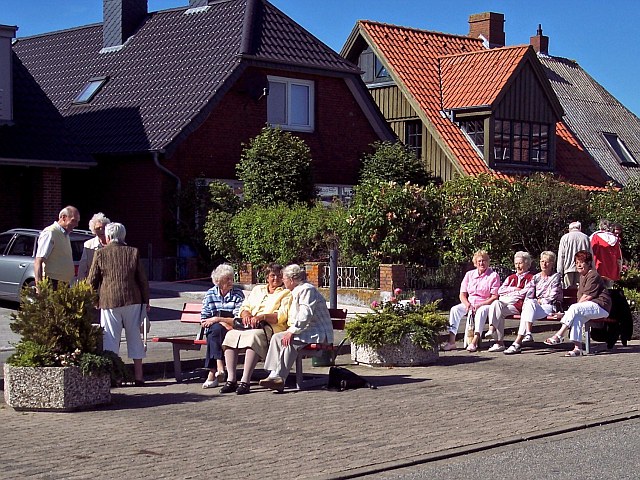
x,y
169,430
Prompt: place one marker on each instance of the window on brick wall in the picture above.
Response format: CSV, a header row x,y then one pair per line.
x,y
290,104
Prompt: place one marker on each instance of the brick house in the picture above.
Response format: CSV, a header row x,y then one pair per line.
x,y
149,101
467,104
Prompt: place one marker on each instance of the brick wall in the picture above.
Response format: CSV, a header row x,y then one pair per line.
x,y
392,277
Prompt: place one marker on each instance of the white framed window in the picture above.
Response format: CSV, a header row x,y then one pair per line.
x,y
290,104
619,149
90,89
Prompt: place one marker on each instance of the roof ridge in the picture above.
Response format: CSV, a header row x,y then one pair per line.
x,y
420,30
485,51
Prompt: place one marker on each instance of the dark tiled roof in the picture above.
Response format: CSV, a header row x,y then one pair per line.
x,y
164,81
591,110
38,135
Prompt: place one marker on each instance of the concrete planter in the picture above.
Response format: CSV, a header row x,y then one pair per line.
x,y
636,326
405,354
54,388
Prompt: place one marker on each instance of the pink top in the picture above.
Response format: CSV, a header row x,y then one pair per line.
x,y
480,287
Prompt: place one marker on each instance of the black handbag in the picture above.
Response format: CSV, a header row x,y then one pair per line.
x,y
238,325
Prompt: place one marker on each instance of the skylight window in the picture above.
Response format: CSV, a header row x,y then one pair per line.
x,y
619,149
90,89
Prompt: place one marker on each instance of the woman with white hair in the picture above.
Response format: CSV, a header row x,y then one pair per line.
x,y
96,225
123,295
511,294
308,321
220,305
547,300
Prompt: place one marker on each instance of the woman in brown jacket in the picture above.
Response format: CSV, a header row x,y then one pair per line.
x,y
123,290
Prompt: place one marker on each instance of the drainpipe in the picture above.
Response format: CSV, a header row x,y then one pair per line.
x,y
156,159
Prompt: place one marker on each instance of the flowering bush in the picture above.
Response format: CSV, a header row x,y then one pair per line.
x,y
392,320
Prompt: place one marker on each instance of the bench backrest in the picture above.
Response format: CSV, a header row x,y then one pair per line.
x,y
338,318
191,312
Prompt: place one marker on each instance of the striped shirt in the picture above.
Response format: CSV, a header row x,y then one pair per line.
x,y
213,302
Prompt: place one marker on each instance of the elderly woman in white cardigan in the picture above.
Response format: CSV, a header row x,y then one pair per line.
x,y
308,321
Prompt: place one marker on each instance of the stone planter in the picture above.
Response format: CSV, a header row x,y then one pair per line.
x,y
54,388
405,354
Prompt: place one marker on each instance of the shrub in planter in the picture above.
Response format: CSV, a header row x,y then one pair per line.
x,y
399,327
56,331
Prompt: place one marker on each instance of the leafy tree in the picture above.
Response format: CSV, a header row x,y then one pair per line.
x,y
285,234
276,167
218,236
544,208
394,162
478,214
393,223
621,206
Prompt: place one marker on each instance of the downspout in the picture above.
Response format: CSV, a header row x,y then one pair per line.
x,y
156,160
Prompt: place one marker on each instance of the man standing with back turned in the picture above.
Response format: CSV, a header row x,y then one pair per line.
x,y
570,244
54,259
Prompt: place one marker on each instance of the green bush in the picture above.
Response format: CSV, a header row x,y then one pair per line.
x,y
544,207
276,167
388,323
285,234
393,162
31,354
479,213
389,222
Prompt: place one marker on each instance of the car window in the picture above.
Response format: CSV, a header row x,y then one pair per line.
x,y
77,246
5,238
22,246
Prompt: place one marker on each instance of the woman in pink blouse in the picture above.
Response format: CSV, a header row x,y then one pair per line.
x,y
478,290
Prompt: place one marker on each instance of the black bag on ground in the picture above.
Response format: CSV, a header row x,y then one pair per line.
x,y
341,379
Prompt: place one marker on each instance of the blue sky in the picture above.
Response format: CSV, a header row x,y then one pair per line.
x,y
600,35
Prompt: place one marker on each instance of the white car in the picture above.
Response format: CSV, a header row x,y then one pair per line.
x,y
17,254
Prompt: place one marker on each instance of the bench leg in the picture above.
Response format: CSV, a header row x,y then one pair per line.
x,y
587,338
177,364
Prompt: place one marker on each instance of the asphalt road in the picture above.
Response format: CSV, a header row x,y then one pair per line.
x,y
609,451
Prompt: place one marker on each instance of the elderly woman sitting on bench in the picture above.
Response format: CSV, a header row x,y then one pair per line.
x,y
594,301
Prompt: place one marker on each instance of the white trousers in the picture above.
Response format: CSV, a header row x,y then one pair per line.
x,y
580,313
498,310
280,359
129,317
459,311
532,311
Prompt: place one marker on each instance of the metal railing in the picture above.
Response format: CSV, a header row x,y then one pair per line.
x,y
348,278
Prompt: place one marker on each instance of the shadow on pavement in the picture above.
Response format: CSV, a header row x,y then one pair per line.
x,y
159,314
445,360
124,401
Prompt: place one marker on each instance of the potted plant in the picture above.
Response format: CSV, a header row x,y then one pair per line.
x,y
58,364
396,333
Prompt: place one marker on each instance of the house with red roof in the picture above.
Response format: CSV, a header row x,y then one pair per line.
x,y
467,104
121,116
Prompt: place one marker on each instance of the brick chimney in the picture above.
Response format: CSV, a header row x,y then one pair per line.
x,y
490,26
539,42
121,18
6,74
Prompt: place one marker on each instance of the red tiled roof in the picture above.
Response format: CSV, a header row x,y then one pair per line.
x,y
471,76
412,55
477,78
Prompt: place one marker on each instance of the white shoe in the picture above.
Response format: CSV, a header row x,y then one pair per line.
x,y
491,333
528,338
496,347
220,376
514,348
211,383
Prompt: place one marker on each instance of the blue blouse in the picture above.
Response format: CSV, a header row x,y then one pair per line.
x,y
213,302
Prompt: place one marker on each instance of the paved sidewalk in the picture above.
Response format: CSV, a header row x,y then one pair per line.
x,y
465,402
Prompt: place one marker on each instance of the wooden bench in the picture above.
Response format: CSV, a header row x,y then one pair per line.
x,y
190,314
569,297
338,319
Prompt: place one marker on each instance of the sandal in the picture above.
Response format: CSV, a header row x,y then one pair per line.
x,y
573,353
554,340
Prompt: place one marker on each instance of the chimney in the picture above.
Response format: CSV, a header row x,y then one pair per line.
x,y
6,74
121,18
198,3
490,26
540,43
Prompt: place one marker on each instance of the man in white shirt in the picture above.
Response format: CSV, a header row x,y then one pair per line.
x,y
54,258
